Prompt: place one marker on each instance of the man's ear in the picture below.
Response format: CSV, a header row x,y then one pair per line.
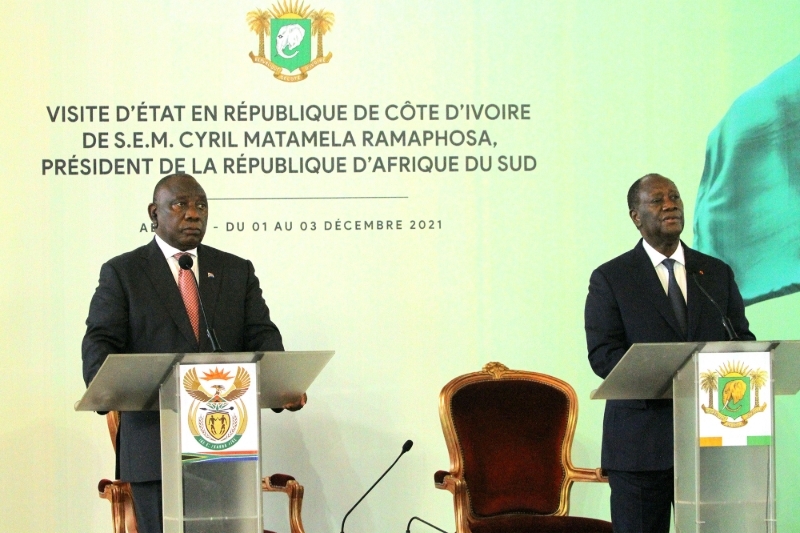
x,y
634,214
151,211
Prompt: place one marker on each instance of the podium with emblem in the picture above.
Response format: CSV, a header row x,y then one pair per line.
x,y
210,406
723,397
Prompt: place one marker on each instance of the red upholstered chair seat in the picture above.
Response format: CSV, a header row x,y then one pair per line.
x,y
539,524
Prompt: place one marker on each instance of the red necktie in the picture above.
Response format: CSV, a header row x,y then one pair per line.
x,y
190,297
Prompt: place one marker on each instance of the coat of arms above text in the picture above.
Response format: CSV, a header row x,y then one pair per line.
x,y
290,26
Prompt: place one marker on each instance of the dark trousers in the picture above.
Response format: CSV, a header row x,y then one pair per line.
x,y
641,502
148,506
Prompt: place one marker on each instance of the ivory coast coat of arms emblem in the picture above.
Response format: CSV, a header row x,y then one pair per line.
x,y
734,382
290,26
733,398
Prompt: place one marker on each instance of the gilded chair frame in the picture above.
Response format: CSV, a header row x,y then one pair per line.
x,y
294,490
454,482
118,493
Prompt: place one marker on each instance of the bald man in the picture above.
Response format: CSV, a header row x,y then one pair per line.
x,y
643,296
138,308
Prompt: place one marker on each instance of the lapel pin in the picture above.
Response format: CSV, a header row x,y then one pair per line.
x,y
210,275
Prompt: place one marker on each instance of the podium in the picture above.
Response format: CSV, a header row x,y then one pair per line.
x,y
723,398
210,406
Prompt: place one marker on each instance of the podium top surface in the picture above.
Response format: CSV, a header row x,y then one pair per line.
x,y
645,371
130,382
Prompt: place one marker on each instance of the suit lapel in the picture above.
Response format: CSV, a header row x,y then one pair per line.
x,y
650,284
210,279
157,269
695,300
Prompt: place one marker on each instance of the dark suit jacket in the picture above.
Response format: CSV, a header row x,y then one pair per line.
x,y
627,304
137,308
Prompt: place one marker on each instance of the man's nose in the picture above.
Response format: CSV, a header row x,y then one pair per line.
x,y
192,211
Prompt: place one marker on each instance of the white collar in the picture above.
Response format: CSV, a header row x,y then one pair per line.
x,y
170,251
657,257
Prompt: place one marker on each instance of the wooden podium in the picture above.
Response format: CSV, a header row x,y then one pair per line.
x,y
210,425
724,455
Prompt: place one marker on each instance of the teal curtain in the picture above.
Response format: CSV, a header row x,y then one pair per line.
x,y
748,205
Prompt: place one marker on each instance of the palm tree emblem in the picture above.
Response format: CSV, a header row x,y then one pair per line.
x,y
708,382
321,23
258,21
758,378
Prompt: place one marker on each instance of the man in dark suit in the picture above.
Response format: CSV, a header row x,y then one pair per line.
x,y
652,294
140,306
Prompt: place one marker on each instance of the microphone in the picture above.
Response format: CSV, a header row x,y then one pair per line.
x,y
408,527
406,446
726,323
186,262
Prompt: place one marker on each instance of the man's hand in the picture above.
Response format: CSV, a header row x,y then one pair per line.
x,y
296,406
293,406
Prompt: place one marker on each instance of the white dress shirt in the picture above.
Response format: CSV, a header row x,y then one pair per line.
x,y
663,274
170,251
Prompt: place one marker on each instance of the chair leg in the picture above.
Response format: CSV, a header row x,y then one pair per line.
x,y
123,516
130,512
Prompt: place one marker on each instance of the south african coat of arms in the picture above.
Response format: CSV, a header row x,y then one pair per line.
x,y
217,416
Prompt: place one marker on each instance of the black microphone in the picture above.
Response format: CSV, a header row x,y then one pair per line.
x,y
406,446
726,323
408,527
186,262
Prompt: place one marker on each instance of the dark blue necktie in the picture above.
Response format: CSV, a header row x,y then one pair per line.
x,y
675,296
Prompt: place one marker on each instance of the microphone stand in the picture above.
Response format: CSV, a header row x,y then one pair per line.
x,y
726,323
406,447
408,527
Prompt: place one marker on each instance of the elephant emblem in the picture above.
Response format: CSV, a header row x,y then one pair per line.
x,y
733,393
289,37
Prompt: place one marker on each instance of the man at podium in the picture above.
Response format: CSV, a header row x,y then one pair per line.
x,y
653,293
147,302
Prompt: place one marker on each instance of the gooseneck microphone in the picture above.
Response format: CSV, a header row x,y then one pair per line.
x,y
408,527
186,262
406,446
726,322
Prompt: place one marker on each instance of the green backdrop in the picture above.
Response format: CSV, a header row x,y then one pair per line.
x,y
604,92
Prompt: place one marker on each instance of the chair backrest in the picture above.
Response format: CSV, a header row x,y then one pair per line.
x,y
509,435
